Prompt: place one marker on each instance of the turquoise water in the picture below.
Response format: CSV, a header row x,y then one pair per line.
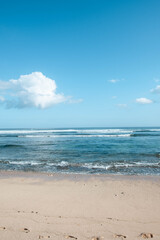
x,y
82,150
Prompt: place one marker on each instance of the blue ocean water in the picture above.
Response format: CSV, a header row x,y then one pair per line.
x,y
82,150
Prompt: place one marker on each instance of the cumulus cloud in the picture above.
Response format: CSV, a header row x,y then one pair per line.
x,y
144,101
156,89
113,80
31,90
4,85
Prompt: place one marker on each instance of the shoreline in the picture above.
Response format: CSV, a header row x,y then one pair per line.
x,y
74,176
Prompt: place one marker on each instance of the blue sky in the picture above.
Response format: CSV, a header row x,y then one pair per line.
x,y
104,58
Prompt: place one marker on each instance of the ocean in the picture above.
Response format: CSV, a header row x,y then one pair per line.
x,y
130,151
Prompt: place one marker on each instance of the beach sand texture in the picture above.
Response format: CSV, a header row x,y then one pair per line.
x,y
38,206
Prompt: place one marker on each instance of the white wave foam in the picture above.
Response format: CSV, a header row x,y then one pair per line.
x,y
34,131
24,163
104,131
89,165
105,136
35,136
120,165
136,164
81,131
74,136
78,131
60,164
155,130
95,166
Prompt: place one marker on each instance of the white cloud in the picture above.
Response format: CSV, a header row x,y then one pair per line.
x,y
156,89
4,85
113,80
144,101
122,105
32,90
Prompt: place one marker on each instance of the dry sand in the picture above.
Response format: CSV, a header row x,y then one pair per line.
x,y
38,206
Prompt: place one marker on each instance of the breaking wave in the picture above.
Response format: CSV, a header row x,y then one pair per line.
x,y
69,136
65,131
64,164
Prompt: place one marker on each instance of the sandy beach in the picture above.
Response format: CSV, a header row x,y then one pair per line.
x,y
41,206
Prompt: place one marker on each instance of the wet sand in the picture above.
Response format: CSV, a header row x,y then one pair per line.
x,y
59,206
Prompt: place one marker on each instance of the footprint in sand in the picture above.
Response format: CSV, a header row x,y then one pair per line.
x,y
27,212
2,228
40,237
26,230
95,238
34,212
70,236
114,219
146,235
120,236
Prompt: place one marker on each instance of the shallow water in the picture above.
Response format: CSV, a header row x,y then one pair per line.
x,y
83,150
